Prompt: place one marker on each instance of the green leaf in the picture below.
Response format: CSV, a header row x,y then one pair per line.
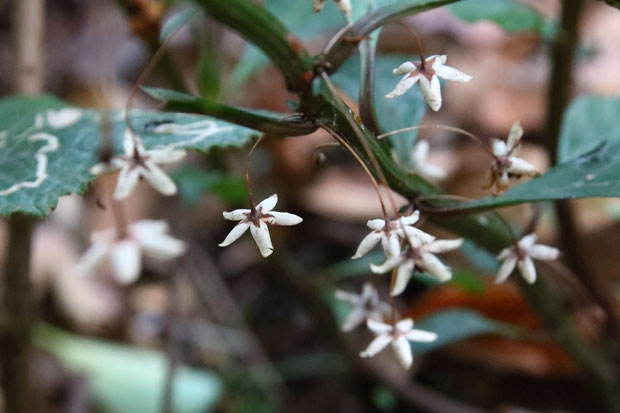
x,y
125,379
588,122
177,20
511,15
458,324
193,183
594,174
404,111
48,147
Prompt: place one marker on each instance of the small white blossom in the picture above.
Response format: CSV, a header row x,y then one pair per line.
x,y
136,163
343,5
419,255
522,256
427,73
256,220
399,336
366,305
391,234
148,237
506,165
421,164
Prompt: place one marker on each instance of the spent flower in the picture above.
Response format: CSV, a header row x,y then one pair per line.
x,y
366,305
427,73
256,219
399,335
145,237
506,165
136,163
522,256
419,255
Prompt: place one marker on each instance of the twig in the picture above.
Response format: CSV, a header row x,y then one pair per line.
x,y
17,300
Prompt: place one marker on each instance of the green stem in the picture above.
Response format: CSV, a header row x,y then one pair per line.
x,y
274,124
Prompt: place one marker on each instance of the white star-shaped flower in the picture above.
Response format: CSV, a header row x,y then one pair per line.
x,y
256,220
366,305
427,73
419,255
399,335
391,234
343,5
148,237
421,164
522,256
137,162
506,165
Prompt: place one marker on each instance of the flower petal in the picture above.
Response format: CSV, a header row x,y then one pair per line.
x,y
419,235
158,178
421,336
402,349
126,182
390,244
236,215
126,261
379,327
503,254
268,204
235,233
435,267
506,269
499,147
431,91
404,325
163,246
450,73
355,317
347,297
404,69
520,167
410,219
443,245
165,155
390,263
403,275
283,218
129,141
514,136
430,171
403,85
528,269
376,224
527,241
92,258
262,238
367,244
376,345
543,252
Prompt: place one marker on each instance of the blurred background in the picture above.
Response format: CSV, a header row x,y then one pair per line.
x,y
224,330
